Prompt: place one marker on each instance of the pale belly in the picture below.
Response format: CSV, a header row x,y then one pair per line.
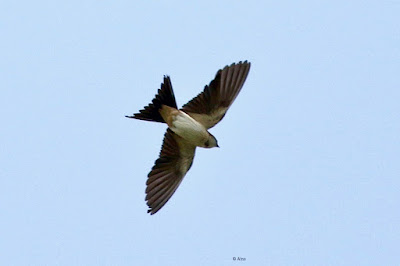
x,y
189,129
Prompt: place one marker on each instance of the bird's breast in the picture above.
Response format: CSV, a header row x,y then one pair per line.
x,y
188,128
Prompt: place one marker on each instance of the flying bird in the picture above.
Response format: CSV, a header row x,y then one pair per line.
x,y
187,128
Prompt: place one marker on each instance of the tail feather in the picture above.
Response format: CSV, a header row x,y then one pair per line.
x,y
165,96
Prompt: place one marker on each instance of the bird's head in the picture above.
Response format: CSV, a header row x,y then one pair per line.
x,y
211,142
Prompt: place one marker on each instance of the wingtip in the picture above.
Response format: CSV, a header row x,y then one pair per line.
x,y
245,62
152,211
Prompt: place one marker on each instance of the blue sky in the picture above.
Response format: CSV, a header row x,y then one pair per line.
x,y
308,169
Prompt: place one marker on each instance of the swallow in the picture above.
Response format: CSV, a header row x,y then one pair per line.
x,y
187,129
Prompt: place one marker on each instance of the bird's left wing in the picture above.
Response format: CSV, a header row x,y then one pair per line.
x,y
175,160
210,106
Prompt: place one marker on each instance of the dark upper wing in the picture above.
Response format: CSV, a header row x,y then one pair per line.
x,y
175,160
210,106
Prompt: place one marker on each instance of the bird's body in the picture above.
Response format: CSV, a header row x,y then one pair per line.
x,y
185,126
187,129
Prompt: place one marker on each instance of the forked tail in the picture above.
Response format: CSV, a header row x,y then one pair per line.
x,y
164,96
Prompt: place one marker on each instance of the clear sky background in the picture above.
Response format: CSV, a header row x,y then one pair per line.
x,y
308,172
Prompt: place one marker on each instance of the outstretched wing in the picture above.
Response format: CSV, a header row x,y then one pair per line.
x,y
175,160
210,106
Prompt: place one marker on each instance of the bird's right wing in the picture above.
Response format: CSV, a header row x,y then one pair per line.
x,y
210,106
176,158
